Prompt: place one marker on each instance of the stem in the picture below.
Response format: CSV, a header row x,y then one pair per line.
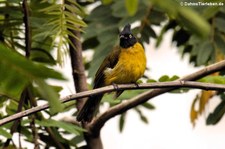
x,y
108,89
78,70
27,29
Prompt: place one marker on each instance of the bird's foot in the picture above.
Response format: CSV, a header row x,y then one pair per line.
x,y
115,86
136,84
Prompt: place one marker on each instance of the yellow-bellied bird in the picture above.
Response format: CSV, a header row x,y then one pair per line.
x,y
125,64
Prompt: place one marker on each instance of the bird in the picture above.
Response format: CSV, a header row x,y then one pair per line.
x,y
126,63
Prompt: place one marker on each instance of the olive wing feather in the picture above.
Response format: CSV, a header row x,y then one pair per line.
x,y
109,62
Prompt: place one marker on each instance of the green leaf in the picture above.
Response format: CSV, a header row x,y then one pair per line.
x,y
186,16
194,22
130,93
99,13
156,16
160,36
219,23
28,134
144,119
164,78
4,133
139,15
11,107
49,93
111,99
220,42
173,78
119,9
151,81
23,71
142,116
60,24
204,53
213,79
77,139
210,11
148,106
59,124
40,55
131,6
194,39
57,136
180,90
217,114
146,33
122,122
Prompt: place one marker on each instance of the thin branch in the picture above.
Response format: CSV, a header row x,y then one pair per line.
x,y
16,123
165,85
98,123
54,139
27,29
78,69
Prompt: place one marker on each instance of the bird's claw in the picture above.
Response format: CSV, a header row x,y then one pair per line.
x,y
115,86
136,84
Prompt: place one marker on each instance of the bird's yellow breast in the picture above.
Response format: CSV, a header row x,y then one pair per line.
x,y
130,67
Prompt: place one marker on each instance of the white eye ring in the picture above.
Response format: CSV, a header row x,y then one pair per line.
x,y
130,36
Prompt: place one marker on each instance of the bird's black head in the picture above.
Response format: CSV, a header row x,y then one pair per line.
x,y
127,39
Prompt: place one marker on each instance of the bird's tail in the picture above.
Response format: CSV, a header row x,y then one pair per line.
x,y
89,109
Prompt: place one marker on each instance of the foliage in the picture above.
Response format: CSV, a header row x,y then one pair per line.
x,y
24,76
202,51
197,31
13,85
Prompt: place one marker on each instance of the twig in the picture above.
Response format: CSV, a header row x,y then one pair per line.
x,y
175,84
27,29
166,86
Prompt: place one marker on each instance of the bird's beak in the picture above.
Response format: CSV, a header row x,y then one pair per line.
x,y
121,36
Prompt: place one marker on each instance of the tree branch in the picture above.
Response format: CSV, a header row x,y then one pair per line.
x,y
27,29
98,123
78,69
164,85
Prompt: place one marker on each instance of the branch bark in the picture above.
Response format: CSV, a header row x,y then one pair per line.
x,y
26,21
99,122
78,70
107,89
79,77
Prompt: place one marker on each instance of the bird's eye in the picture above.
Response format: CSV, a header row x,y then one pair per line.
x,y
130,36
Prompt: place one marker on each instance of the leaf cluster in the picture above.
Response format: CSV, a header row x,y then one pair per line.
x,y
202,50
24,77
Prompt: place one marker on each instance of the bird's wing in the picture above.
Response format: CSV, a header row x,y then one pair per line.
x,y
109,62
